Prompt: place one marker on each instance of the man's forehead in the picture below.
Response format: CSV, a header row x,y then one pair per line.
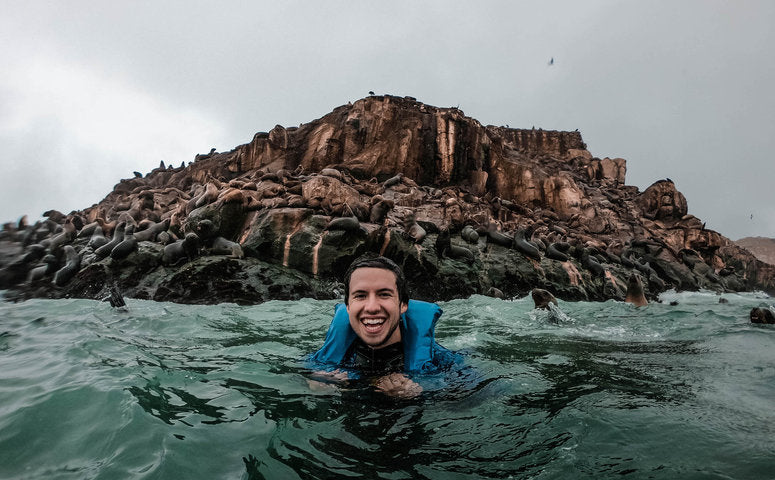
x,y
373,277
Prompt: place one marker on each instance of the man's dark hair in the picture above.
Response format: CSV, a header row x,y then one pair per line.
x,y
377,262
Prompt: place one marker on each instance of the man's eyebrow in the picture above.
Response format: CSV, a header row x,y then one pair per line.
x,y
379,290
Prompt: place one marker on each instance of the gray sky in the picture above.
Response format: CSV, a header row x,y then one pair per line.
x,y
92,91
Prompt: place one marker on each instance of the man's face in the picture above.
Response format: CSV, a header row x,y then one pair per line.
x,y
374,306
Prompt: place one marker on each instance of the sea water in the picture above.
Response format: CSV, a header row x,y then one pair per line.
x,y
598,390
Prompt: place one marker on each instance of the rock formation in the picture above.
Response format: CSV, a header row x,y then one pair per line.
x,y
761,247
464,208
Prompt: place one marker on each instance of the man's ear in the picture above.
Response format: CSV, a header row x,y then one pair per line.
x,y
404,306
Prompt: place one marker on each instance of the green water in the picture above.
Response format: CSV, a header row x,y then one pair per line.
x,y
175,391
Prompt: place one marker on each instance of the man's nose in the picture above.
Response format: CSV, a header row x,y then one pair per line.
x,y
372,303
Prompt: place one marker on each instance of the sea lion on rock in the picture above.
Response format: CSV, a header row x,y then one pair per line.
x,y
150,233
270,177
118,237
460,252
88,230
499,238
97,239
222,246
333,173
412,229
553,251
527,248
181,249
444,247
442,242
635,293
59,240
209,195
393,180
349,224
495,293
164,238
127,245
762,315
469,234
295,201
591,264
380,210
54,215
542,298
48,267
206,232
72,264
656,281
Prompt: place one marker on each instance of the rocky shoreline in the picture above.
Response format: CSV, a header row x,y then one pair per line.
x,y
464,208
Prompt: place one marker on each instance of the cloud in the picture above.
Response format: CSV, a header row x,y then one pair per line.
x,y
71,132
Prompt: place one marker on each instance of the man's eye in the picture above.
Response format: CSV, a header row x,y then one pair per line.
x,y
385,294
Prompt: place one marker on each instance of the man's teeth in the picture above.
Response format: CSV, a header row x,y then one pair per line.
x,y
373,321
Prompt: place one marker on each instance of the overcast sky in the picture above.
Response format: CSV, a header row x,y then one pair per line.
x,y
92,91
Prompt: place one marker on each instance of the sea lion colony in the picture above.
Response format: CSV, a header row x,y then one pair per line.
x,y
461,236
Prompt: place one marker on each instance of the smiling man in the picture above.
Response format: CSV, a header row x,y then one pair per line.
x,y
380,333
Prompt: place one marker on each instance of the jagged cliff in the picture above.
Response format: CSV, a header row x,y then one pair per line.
x,y
465,208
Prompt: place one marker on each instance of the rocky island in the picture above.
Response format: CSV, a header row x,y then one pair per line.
x,y
464,208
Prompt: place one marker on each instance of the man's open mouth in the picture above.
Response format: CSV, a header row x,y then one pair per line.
x,y
373,325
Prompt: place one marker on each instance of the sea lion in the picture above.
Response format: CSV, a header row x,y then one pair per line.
x,y
460,252
97,239
88,230
186,248
294,201
60,239
412,229
118,237
655,281
72,265
393,180
54,215
127,246
333,173
150,233
762,315
499,238
443,242
553,251
380,210
209,195
270,177
525,247
222,246
469,234
349,224
206,232
591,264
635,294
495,293
542,298
164,238
48,267
444,247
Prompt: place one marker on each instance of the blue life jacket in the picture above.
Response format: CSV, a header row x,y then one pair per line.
x,y
418,324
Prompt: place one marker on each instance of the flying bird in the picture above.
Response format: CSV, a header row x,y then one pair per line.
x,y
551,61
